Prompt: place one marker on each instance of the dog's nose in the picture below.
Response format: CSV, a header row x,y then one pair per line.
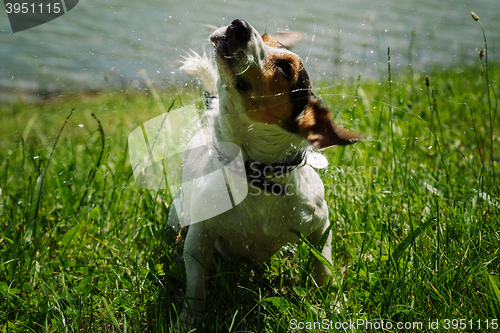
x,y
239,31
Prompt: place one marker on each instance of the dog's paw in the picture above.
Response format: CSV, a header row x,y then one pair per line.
x,y
323,275
188,321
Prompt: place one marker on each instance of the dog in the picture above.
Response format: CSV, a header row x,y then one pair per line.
x,y
263,103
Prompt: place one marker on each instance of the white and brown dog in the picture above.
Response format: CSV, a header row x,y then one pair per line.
x,y
266,107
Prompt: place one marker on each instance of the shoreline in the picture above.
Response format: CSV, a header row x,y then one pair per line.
x,y
51,92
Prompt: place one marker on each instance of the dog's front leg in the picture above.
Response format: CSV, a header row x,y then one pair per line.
x,y
322,272
198,252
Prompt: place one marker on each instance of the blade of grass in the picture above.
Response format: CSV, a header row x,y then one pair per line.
x,y
314,250
401,248
111,315
495,291
57,138
93,171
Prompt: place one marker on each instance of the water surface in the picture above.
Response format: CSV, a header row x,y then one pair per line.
x,y
105,43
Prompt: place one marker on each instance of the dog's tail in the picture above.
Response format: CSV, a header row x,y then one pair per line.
x,y
203,67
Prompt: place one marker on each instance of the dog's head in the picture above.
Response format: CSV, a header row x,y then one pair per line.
x,y
273,85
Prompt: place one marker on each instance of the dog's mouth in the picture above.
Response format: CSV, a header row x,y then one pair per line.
x,y
231,40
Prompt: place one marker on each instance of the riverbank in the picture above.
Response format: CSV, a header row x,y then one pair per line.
x,y
105,44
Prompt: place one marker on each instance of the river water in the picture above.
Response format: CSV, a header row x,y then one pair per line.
x,y
105,43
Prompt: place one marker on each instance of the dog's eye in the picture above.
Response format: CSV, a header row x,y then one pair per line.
x,y
242,85
284,67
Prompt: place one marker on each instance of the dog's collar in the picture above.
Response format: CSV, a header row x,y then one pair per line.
x,y
255,169
263,176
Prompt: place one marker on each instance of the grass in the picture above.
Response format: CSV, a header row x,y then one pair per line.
x,y
415,214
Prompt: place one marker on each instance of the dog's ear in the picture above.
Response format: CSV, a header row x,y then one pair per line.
x,y
285,39
288,38
316,126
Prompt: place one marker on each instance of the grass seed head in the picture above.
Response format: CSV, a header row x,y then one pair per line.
x,y
474,16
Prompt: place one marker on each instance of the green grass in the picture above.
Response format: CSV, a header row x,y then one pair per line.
x,y
415,213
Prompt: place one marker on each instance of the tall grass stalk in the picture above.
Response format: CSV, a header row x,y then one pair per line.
x,y
97,164
489,87
438,142
391,108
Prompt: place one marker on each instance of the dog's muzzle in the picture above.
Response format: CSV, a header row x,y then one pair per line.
x,y
235,37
